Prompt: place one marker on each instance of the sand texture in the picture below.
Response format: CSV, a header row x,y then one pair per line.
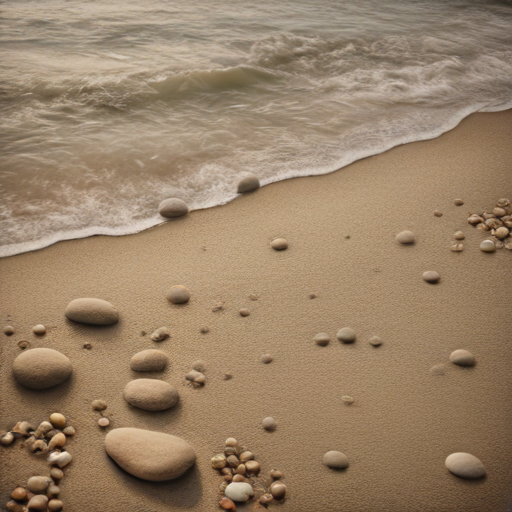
x,y
406,417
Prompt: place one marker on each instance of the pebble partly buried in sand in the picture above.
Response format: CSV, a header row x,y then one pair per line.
x,y
465,465
8,330
375,341
462,357
152,456
172,208
406,237
431,276
41,368
151,394
178,294
335,460
92,311
150,360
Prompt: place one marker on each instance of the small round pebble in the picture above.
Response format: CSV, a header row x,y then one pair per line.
x,y
266,498
462,357
244,312
276,474
178,294
335,460
99,405
172,208
465,465
53,491
488,246
23,344
218,461
279,244
431,276
459,235
438,213
405,237
39,329
502,233
346,335
57,474
55,505
150,360
38,503
248,184
103,422
458,202
499,212
348,400
20,493
239,491
266,358
375,341
58,420
322,339
253,466
8,330
69,431
37,484
231,441
269,423
278,490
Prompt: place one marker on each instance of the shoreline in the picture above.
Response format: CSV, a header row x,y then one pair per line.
x,y
405,419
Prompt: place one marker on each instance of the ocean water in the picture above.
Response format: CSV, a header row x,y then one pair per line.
x,y
107,108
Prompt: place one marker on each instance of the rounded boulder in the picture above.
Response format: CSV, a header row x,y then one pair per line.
x,y
92,311
151,394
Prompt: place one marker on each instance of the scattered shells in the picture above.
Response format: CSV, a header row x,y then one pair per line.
x,y
99,405
459,235
457,247
269,423
431,276
161,334
178,294
239,491
278,490
60,459
172,208
92,311
22,428
465,465
219,461
151,394
103,422
438,213
462,357
227,504
405,237
39,446
8,330
43,429
248,184
376,341
346,335
23,344
266,358
487,246
149,360
6,438
335,460
37,484
58,420
458,202
279,244
39,329
348,400
322,339
244,312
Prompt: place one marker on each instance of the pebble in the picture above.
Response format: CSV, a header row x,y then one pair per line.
x,y
279,244
151,394
23,344
241,470
501,233
457,247
92,311
87,346
43,429
152,456
405,237
8,330
347,400
12,506
219,461
39,329
233,461
161,334
99,405
269,423
502,203
19,494
465,465
227,376
56,474
58,420
227,504
239,491
6,438
313,295
199,366
149,360
23,428
458,202
266,498
178,294
459,235
39,446
248,184
462,357
322,339
278,490
50,434
246,455
475,219
253,466
276,474
53,491
335,460
37,484
103,422
431,276
266,358
57,441
222,486
499,212
239,478
41,368
55,505
438,213
231,441
205,330
60,459
38,503
437,369
244,312
376,341
487,246
172,208
346,335
196,377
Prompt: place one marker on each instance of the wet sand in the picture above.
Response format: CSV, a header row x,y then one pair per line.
x,y
405,419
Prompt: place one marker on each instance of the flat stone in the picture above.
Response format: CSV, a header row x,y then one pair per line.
x,y
462,357
375,341
172,208
151,394
465,465
150,360
178,295
152,456
248,184
92,311
346,335
335,460
405,237
279,244
431,276
322,339
41,368
239,491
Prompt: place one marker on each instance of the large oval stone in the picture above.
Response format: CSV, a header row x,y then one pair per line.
x,y
41,368
153,456
149,360
151,394
92,311
465,465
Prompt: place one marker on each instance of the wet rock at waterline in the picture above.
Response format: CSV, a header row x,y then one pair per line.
x,y
92,311
151,394
41,368
149,455
248,184
172,208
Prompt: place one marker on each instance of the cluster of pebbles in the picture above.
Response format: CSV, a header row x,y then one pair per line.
x,y
196,376
345,335
242,481
41,493
497,221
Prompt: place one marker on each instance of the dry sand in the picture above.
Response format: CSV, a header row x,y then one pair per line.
x,y
405,420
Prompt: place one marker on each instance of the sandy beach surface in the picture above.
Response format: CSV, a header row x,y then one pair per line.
x,y
412,407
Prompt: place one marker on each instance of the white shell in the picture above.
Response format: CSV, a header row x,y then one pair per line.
x,y
60,458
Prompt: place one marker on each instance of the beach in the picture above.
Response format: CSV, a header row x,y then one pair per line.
x,y
343,268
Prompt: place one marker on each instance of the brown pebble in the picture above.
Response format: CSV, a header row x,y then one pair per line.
x,y
103,422
231,441
228,477
246,455
239,478
312,295
99,405
244,312
253,466
37,484
322,339
20,493
205,330
457,247
39,329
458,202
58,420
276,474
241,469
233,461
499,212
375,341
227,504
266,498
438,213
278,490
266,358
69,431
8,330
55,505
57,441
431,276
23,344
279,244
51,433
227,376
143,333
226,471
12,506
501,233
53,491
57,474
87,346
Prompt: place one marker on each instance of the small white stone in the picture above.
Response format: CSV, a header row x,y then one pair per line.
x,y
239,491
405,237
465,465
60,459
279,244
